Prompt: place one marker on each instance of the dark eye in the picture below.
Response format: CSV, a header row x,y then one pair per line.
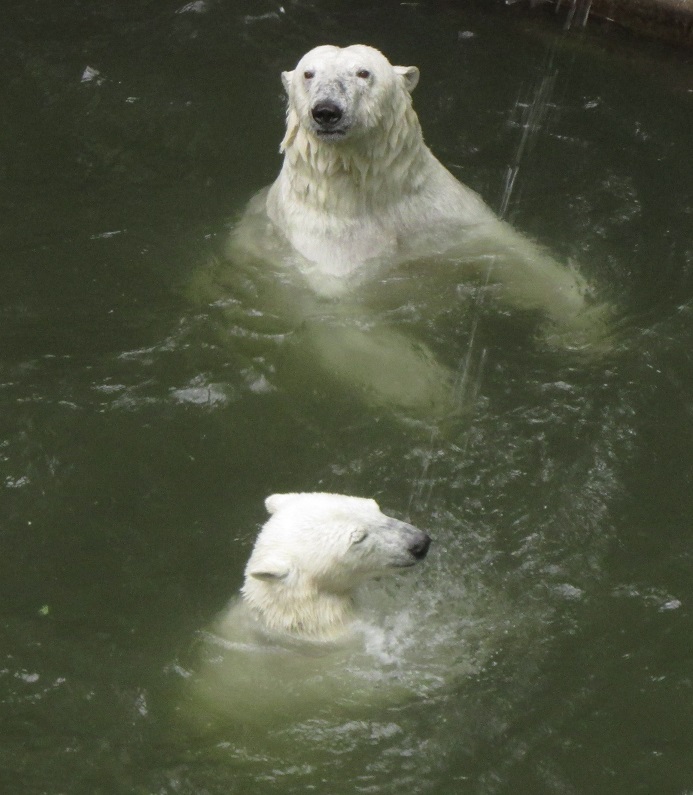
x,y
364,74
309,75
361,537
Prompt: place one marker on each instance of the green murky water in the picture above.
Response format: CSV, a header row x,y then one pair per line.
x,y
140,430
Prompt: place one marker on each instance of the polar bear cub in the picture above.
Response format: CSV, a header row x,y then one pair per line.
x,y
294,646
313,553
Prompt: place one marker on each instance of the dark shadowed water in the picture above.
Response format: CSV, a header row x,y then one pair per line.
x,y
140,429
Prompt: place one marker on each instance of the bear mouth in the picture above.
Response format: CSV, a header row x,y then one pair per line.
x,y
327,134
404,564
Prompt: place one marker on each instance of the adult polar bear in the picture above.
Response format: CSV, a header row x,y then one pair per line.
x,y
359,192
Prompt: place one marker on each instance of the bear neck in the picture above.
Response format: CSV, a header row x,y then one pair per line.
x,y
362,174
300,610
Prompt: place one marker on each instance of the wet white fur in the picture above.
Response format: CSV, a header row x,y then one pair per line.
x,y
346,212
310,557
377,193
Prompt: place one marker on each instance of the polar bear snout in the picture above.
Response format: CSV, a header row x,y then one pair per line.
x,y
419,547
326,113
413,543
329,120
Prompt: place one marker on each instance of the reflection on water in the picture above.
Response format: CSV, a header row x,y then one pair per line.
x,y
141,430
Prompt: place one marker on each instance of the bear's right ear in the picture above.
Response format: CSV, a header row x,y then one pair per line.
x,y
286,80
276,502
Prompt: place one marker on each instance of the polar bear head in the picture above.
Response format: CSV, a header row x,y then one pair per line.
x,y
314,551
337,93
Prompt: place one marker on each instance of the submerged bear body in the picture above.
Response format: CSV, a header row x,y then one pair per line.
x,y
364,238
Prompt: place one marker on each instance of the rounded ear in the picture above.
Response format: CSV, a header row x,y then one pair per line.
x,y
286,80
268,576
269,570
276,502
410,75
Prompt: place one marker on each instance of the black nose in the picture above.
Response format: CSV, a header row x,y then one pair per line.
x,y
420,547
326,113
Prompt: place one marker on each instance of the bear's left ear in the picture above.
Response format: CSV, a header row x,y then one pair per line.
x,y
286,80
410,75
273,569
276,502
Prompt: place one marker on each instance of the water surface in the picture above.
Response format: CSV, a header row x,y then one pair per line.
x,y
139,431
